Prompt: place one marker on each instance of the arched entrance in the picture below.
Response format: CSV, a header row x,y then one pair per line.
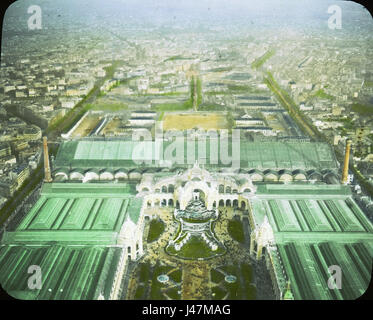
x,y
199,194
243,205
193,189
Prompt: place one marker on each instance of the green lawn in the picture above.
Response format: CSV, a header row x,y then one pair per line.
x,y
144,274
140,292
242,289
173,293
363,109
156,228
195,248
323,95
176,275
247,272
218,293
235,230
216,276
251,292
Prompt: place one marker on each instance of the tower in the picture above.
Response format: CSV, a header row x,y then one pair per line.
x,y
47,169
346,162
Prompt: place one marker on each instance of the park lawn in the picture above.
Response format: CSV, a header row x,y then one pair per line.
x,y
144,274
216,276
173,293
251,292
195,248
235,230
218,293
176,275
140,292
247,272
363,109
156,228
323,95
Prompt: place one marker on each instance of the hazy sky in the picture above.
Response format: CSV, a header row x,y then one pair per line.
x,y
178,12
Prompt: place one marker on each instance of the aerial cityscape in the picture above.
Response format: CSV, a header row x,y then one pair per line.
x,y
189,150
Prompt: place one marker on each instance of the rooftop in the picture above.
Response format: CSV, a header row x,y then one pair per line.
x,y
315,227
77,213
95,267
253,155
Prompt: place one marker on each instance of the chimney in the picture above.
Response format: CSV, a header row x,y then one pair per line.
x,y
47,169
346,163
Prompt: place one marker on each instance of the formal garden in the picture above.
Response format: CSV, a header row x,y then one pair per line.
x,y
159,282
233,282
195,271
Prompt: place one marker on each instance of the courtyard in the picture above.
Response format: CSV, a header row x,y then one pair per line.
x,y
232,276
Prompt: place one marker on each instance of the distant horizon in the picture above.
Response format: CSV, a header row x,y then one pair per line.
x,y
71,13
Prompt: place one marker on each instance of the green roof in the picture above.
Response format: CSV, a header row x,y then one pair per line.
x,y
324,210
253,155
317,226
301,189
77,213
71,233
306,266
67,272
